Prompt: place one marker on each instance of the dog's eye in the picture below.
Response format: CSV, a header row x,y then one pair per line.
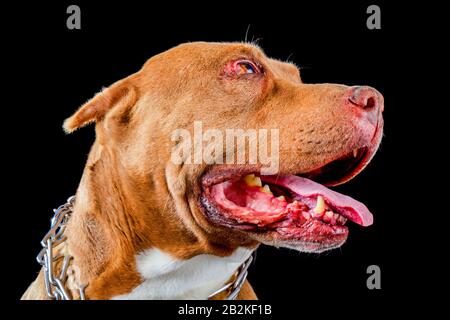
x,y
242,67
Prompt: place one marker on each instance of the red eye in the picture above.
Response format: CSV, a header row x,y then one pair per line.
x,y
243,67
246,67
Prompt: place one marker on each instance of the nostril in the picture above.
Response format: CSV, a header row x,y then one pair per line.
x,y
368,100
370,103
364,97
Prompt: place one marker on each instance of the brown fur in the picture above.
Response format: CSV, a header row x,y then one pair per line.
x,y
131,197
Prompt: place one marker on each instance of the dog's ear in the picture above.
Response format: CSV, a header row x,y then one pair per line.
x,y
120,94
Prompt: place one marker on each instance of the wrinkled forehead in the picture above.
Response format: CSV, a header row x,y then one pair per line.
x,y
203,55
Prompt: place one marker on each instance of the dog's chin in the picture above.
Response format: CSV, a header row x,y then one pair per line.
x,y
312,236
304,246
287,210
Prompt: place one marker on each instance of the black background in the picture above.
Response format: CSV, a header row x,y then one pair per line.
x,y
56,70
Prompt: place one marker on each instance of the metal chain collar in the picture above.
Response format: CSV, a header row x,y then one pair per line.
x,y
55,283
235,285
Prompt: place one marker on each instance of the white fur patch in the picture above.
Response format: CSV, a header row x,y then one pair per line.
x,y
165,277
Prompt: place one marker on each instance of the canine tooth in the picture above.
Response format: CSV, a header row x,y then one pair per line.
x,y
281,198
320,205
249,178
266,189
316,215
257,181
253,181
355,153
336,216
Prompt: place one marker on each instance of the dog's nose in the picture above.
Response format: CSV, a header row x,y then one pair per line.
x,y
368,99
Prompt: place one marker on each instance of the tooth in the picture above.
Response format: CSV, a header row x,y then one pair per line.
x,y
249,178
253,181
306,215
335,218
342,219
328,216
320,205
281,198
266,189
355,153
316,215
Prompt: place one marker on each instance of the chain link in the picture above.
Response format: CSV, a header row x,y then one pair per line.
x,y
236,284
55,284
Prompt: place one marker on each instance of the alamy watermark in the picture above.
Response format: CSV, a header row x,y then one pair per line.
x,y
74,19
374,279
374,19
229,146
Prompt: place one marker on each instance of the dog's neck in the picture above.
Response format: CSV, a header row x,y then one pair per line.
x,y
124,247
196,278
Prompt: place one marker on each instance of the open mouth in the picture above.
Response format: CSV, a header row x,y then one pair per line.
x,y
289,207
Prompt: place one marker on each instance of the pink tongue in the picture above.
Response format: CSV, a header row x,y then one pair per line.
x,y
342,204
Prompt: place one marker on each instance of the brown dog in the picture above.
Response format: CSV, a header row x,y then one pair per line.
x,y
145,227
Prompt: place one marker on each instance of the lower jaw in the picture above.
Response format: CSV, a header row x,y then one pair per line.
x,y
307,236
311,246
311,243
